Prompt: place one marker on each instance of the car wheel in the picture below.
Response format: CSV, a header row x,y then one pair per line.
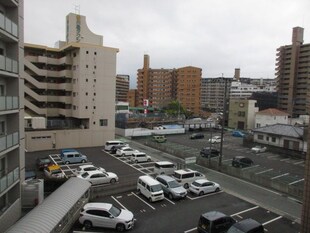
x,y
150,199
149,160
186,185
67,162
83,161
138,191
112,181
217,189
123,155
170,196
120,227
88,224
136,161
201,193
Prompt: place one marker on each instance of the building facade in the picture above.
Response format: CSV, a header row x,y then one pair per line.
x,y
292,75
270,116
12,139
133,97
242,114
188,87
73,87
122,88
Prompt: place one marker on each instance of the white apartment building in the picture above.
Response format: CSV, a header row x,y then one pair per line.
x,y
239,90
73,87
12,159
270,116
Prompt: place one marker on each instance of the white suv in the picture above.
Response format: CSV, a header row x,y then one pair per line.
x,y
187,176
106,215
125,151
216,139
138,157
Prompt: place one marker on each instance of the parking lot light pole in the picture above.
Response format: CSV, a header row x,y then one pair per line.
x,y
223,124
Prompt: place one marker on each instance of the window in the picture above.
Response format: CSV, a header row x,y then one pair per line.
x,y
273,139
95,67
86,52
86,107
103,122
95,53
94,107
87,80
260,137
86,93
86,66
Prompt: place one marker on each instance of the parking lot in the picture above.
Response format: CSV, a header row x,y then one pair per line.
x,y
167,215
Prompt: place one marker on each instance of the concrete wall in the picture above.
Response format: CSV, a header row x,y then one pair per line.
x,y
11,215
136,132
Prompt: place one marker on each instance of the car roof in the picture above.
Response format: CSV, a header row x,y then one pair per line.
x,y
139,153
93,172
184,171
126,147
164,163
200,181
149,180
98,205
166,178
53,167
247,224
87,165
213,215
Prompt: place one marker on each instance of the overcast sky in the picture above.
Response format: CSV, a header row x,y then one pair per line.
x,y
217,36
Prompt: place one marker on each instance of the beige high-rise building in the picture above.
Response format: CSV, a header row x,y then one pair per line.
x,y
292,75
122,88
12,157
72,88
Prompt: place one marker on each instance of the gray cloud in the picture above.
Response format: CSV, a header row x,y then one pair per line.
x,y
217,36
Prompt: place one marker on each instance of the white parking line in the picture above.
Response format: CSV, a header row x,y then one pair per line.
x,y
170,201
268,170
299,162
143,201
227,160
297,181
272,220
190,230
241,212
119,203
250,167
273,156
276,177
284,159
205,195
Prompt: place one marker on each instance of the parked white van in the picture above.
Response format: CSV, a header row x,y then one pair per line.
x,y
187,176
150,188
109,144
164,168
139,157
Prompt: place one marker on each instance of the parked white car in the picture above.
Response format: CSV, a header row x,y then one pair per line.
x,y
215,139
258,149
203,186
126,151
106,215
139,157
87,168
98,177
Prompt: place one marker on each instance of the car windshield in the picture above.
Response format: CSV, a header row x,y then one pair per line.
x,y
174,184
177,175
46,160
234,230
196,184
84,175
156,188
115,211
56,171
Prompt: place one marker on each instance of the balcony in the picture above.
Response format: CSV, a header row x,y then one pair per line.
x,y
9,26
8,64
8,179
8,141
8,103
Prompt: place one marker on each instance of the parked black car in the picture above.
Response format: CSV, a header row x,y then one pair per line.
x,y
43,162
197,136
207,151
246,226
115,148
214,222
241,161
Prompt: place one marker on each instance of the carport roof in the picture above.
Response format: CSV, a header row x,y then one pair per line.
x,y
281,129
46,216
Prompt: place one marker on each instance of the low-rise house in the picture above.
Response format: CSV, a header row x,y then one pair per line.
x,y
281,135
270,116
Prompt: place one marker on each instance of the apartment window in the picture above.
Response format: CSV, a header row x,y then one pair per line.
x,y
74,107
94,107
95,94
74,54
95,53
86,107
87,80
86,93
95,67
267,139
260,137
103,122
273,139
1,51
1,90
86,66
2,127
241,114
258,125
86,52
94,122
94,80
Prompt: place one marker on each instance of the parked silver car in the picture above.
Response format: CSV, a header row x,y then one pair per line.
x,y
171,187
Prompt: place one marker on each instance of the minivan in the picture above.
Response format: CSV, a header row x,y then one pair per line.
x,y
164,168
72,156
150,188
246,226
187,176
109,144
138,157
214,222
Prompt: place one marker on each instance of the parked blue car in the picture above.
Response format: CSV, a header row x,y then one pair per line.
x,y
237,133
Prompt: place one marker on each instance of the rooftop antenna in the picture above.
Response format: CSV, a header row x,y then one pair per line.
x,y
77,9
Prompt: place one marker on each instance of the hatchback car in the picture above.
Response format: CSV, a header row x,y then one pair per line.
x,y
241,161
197,136
214,222
98,177
258,149
215,139
43,162
87,168
106,215
125,151
237,133
246,226
203,186
139,157
115,148
209,152
171,187
53,172
159,138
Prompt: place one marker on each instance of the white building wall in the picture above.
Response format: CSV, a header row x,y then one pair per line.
x,y
264,120
252,110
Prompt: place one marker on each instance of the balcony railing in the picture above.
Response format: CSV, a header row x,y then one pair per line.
x,y
7,180
8,141
8,64
8,25
8,103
